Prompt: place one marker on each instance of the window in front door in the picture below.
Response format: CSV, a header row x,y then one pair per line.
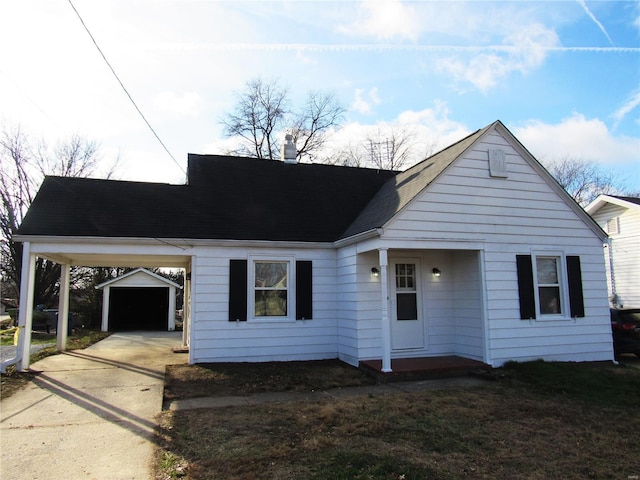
x,y
406,293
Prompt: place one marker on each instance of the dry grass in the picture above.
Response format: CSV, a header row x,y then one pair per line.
x,y
221,379
512,428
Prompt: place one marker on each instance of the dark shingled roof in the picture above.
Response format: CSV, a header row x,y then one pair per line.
x,y
225,198
235,198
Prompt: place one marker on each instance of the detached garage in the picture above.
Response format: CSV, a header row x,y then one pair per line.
x,y
138,300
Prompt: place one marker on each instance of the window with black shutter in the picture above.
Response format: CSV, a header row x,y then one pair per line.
x,y
237,290
270,289
545,292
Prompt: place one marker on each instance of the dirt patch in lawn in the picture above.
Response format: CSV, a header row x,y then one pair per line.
x,y
511,428
223,379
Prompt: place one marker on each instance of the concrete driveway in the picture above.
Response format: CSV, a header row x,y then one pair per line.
x,y
91,413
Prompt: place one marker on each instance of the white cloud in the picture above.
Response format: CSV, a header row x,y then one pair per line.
x,y
526,49
595,20
385,20
578,137
431,130
187,104
363,100
630,105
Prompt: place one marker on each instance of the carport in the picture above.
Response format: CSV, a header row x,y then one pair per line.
x,y
94,252
138,300
87,222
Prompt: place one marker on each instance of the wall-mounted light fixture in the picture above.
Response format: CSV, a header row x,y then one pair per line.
x,y
436,272
375,273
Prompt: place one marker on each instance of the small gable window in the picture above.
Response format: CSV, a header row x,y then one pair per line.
x,y
550,286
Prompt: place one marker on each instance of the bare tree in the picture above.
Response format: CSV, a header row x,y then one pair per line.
x,y
387,147
22,169
313,123
17,188
259,113
583,180
263,113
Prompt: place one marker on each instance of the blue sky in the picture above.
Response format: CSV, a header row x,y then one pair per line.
x,y
563,76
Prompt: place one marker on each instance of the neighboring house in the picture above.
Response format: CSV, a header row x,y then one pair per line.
x,y
138,300
620,218
475,252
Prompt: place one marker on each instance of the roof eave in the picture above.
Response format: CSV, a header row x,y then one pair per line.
x,y
601,200
358,237
135,271
182,243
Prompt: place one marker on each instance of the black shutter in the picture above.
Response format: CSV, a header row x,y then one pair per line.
x,y
525,287
576,300
304,290
237,290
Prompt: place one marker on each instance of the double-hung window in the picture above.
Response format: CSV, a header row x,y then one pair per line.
x,y
265,288
549,286
548,274
270,288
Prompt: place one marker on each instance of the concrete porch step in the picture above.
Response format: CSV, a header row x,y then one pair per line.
x,y
423,368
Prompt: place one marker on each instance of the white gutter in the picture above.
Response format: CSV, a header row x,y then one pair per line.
x,y
181,243
343,242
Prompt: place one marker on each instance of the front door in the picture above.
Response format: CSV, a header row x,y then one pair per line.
x,y
407,322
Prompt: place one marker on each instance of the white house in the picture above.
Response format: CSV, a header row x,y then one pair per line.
x,y
620,218
475,252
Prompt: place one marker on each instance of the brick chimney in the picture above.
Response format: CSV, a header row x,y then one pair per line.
x,y
288,150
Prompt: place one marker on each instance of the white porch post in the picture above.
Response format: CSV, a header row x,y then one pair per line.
x,y
192,309
386,323
106,291
63,308
25,315
186,309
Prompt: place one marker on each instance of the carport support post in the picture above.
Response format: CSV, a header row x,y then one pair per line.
x,y
386,324
25,312
106,292
63,308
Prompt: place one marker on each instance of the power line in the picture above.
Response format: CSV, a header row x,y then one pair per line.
x,y
124,88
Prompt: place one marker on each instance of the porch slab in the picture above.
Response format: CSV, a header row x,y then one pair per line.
x,y
422,368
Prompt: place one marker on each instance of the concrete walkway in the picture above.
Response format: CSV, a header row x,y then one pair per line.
x,y
91,413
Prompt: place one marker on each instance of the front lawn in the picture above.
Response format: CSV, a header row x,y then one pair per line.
x,y
37,338
537,421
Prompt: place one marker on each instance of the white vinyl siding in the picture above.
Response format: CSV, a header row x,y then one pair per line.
x,y
625,247
451,305
216,339
511,216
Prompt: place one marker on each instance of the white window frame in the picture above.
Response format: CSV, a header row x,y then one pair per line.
x,y
251,289
563,284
